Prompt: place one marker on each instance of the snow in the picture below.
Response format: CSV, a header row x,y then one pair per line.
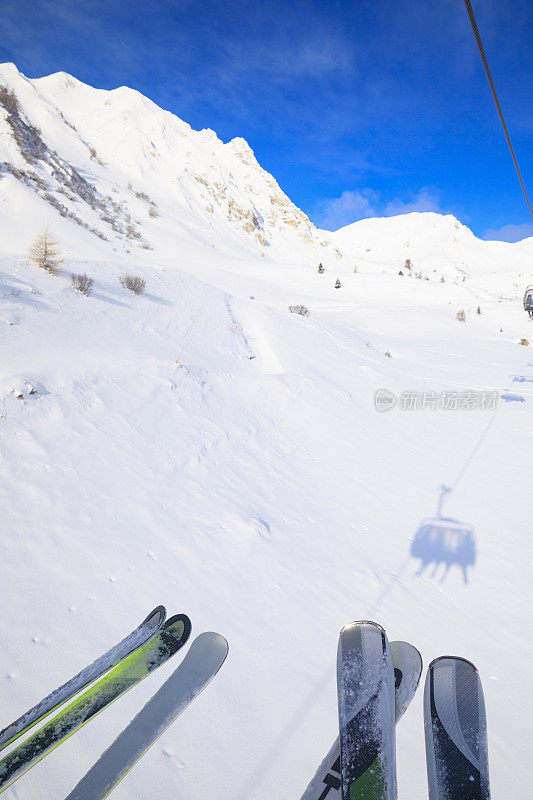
x,y
266,497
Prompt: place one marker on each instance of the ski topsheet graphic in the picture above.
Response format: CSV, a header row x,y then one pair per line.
x,y
407,662
133,640
365,685
456,731
158,649
205,657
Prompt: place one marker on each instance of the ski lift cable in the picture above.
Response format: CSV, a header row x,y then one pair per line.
x,y
472,18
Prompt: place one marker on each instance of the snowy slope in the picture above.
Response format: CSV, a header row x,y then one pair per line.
x,y
133,155
432,241
158,461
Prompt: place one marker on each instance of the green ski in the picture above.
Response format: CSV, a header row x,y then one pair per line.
x,y
123,677
88,674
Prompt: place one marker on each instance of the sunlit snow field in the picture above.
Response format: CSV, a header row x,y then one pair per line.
x,y
201,447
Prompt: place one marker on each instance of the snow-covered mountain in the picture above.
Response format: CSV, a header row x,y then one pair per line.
x,y
200,446
139,178
436,241
107,160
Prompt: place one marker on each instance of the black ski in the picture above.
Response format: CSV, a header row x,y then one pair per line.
x,y
365,685
456,731
407,662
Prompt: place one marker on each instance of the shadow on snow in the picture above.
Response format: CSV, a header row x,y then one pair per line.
x,y
443,542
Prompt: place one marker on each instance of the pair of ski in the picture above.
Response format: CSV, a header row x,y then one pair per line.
x,y
376,682
145,649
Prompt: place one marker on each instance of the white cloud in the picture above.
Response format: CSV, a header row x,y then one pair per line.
x,y
354,205
347,208
509,233
424,200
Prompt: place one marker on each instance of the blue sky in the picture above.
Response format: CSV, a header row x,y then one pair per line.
x,y
358,109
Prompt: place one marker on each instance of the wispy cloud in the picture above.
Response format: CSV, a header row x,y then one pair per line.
x,y
349,207
509,233
424,200
332,214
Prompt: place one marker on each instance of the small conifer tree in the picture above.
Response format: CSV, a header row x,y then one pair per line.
x,y
320,268
337,284
45,253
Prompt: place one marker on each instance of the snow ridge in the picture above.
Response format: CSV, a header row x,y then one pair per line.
x,y
123,144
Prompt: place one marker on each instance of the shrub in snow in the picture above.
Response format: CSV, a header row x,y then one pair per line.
x,y
442,279
82,283
407,264
133,283
525,342
153,212
302,310
132,233
478,310
356,269
320,268
461,315
44,252
337,284
8,99
23,389
386,353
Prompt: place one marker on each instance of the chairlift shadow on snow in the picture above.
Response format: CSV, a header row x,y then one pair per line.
x,y
443,542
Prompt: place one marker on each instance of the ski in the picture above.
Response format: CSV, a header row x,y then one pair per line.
x,y
131,642
407,662
456,731
205,657
365,686
158,649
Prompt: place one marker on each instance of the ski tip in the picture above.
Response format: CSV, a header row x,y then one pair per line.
x,y
175,622
216,636
212,639
406,647
441,659
353,634
360,624
407,653
156,617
